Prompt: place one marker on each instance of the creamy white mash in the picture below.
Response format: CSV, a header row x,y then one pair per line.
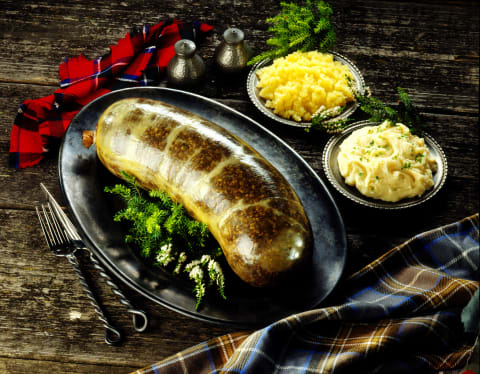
x,y
386,162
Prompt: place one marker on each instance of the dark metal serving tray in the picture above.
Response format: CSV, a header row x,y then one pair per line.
x,y
83,178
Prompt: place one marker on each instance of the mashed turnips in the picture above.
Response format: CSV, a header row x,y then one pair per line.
x,y
386,162
300,84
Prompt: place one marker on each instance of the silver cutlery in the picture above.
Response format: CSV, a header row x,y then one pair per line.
x,y
63,239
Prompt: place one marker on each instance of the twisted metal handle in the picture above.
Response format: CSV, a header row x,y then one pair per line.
x,y
139,317
112,335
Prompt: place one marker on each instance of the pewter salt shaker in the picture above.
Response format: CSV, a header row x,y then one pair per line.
x,y
232,55
186,68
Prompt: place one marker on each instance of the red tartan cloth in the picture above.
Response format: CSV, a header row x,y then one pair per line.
x,y
139,59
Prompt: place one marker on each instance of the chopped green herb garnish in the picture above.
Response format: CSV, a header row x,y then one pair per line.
x,y
419,158
406,165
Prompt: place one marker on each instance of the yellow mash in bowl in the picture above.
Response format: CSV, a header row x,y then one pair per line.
x,y
386,162
301,83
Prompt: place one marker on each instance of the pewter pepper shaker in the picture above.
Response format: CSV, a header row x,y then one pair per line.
x,y
232,55
186,68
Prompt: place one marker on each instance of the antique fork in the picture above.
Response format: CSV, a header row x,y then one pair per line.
x,y
140,319
60,245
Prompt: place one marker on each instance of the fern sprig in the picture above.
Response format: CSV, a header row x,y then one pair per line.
x,y
405,112
302,28
167,236
323,120
377,110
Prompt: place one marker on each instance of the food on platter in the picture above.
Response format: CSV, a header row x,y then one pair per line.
x,y
249,207
386,162
303,83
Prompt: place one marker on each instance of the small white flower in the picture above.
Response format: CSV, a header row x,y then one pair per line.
x,y
205,259
196,273
216,275
191,265
166,247
214,266
182,257
164,256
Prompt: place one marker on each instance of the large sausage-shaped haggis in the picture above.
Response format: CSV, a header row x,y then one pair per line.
x,y
247,204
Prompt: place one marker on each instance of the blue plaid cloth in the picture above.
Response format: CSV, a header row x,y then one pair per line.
x,y
400,314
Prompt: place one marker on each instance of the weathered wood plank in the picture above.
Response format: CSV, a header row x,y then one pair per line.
x,y
418,46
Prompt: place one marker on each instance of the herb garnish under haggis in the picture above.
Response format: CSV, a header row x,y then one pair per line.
x,y
169,237
299,28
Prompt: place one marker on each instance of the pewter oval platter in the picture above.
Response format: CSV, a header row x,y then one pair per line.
x,y
83,178
259,102
330,166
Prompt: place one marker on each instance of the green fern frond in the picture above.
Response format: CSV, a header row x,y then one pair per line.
x,y
322,121
328,41
322,25
163,231
298,27
299,39
378,111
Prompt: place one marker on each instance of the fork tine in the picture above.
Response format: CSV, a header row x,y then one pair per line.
x,y
43,225
48,224
57,228
60,214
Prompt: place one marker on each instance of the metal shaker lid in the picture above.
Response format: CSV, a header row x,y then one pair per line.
x,y
185,47
233,35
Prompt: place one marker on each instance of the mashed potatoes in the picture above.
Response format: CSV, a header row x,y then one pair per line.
x,y
298,85
386,162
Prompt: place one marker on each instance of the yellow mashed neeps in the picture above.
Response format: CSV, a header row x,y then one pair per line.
x,y
298,85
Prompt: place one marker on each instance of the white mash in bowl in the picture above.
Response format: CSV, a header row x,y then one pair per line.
x,y
386,162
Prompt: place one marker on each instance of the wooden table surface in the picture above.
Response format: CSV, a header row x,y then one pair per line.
x,y
430,48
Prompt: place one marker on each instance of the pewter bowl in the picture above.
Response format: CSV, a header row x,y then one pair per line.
x,y
331,169
259,102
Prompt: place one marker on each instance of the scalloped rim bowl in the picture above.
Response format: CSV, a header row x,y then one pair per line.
x,y
330,167
253,92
